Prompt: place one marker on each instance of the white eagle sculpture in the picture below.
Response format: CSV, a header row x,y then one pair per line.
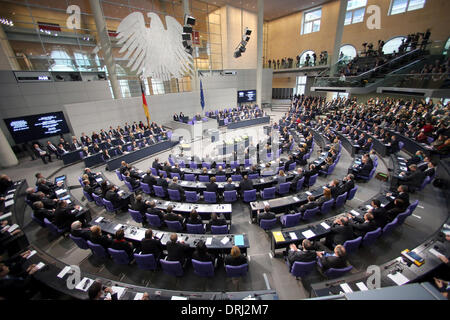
x,y
154,52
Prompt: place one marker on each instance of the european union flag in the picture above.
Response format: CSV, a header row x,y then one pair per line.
x,y
202,98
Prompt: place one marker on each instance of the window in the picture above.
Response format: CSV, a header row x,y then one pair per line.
x,y
311,21
348,51
355,11
447,46
157,86
300,85
62,61
392,45
401,6
340,95
82,61
303,58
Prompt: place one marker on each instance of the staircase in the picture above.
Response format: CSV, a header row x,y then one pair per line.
x,y
281,105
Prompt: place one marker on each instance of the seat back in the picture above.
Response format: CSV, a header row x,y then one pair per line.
x,y
146,188
326,206
340,200
309,213
136,215
234,165
145,261
206,165
253,176
351,193
210,197
268,193
336,273
52,228
39,222
236,271
221,178
159,191
390,226
203,269
301,269
97,250
268,224
290,220
163,173
292,166
98,200
88,196
219,229
172,268
154,171
413,206
312,180
193,165
424,183
300,183
175,174
250,195
174,225
284,187
129,186
174,195
352,246
153,220
203,178
195,228
191,196
108,205
402,217
400,145
80,242
236,177
371,237
230,196
189,177
119,256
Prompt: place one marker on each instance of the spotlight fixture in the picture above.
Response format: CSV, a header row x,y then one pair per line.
x,y
237,54
187,29
189,20
241,46
186,36
248,31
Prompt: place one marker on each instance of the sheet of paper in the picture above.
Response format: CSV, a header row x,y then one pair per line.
x,y
293,235
119,291
118,227
9,197
99,219
323,224
436,253
398,278
80,285
356,213
225,240
9,203
208,241
40,265
178,298
308,193
12,191
296,199
239,240
60,191
120,192
5,215
361,286
266,203
138,296
32,253
13,227
64,272
368,206
308,234
99,179
346,288
324,187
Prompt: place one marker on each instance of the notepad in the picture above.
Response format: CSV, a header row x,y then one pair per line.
x,y
398,278
5,215
278,236
324,187
308,234
64,272
138,296
435,252
293,236
208,241
9,197
308,193
60,191
118,227
99,219
9,203
346,288
368,206
356,213
266,203
40,265
239,240
361,286
296,199
80,285
99,179
178,298
13,227
118,290
11,191
120,192
225,240
323,224
32,253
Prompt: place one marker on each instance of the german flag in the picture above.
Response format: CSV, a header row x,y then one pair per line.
x,y
145,105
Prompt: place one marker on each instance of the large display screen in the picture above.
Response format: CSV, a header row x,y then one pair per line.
x,y
246,96
38,126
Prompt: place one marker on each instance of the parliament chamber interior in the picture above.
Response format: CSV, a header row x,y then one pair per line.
x,y
224,150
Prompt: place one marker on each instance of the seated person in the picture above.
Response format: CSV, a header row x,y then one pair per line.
x,y
362,225
63,214
413,178
311,204
194,218
229,186
309,172
177,251
348,183
326,197
116,200
335,260
396,210
171,216
335,189
305,254
340,232
40,212
379,213
212,186
364,168
235,258
150,245
245,184
266,214
216,220
175,186
328,163
201,254
162,182
139,205
76,230
119,243
153,210
97,237
135,183
401,193
149,178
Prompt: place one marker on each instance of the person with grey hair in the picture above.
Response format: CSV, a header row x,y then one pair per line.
x,y
229,186
77,230
175,186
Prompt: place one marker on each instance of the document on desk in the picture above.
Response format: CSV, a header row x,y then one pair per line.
x,y
32,253
40,265
308,234
404,168
398,278
5,215
9,203
119,291
99,179
120,192
118,227
323,224
178,298
84,284
225,240
435,252
9,197
368,206
356,213
11,191
278,236
239,240
209,241
99,219
60,191
346,288
308,193
293,236
138,296
13,227
63,272
361,286
296,199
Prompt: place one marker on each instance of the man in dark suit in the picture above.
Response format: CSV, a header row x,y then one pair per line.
x,y
310,172
396,210
115,198
401,193
167,168
46,188
175,186
77,231
119,243
177,170
430,171
153,210
41,153
305,254
139,205
364,168
333,260
335,189
88,188
212,186
97,237
379,213
220,171
149,178
172,216
229,186
156,165
162,182
288,163
266,214
52,149
64,216
134,182
245,184
340,232
311,204
362,225
414,178
348,183
107,144
123,167
177,251
150,245
216,220
297,177
40,212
